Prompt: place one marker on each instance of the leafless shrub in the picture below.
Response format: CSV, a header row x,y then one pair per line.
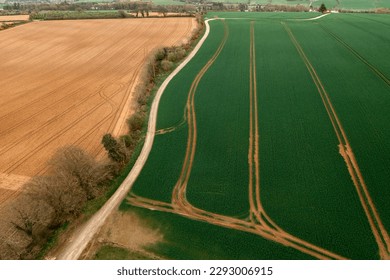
x,y
166,65
32,220
61,193
180,53
75,164
171,57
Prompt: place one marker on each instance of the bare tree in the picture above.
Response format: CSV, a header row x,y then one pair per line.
x,y
162,10
32,219
61,193
75,164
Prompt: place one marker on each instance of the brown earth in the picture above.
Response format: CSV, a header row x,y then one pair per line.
x,y
14,18
128,231
68,82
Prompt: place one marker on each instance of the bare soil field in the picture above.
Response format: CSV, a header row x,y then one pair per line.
x,y
70,82
128,231
14,18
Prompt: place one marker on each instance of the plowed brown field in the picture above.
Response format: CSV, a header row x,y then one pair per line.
x,y
69,82
14,18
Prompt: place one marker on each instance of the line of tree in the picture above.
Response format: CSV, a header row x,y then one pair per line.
x,y
50,201
120,149
139,9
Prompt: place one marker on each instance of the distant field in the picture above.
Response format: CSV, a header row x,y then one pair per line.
x,y
330,4
263,15
168,2
278,128
69,82
14,18
157,2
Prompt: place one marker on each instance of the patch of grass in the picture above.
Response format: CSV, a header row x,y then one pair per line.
x,y
52,241
94,205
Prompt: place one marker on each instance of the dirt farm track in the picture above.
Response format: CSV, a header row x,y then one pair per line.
x,y
69,82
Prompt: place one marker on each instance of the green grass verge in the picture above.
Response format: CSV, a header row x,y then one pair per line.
x,y
52,241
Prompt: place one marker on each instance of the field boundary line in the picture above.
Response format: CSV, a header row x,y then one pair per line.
x,y
345,149
76,246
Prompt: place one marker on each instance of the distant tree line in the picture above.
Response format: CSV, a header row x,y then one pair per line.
x,y
143,9
128,9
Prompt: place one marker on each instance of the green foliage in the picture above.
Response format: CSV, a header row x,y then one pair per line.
x,y
322,8
122,14
116,150
59,15
160,54
136,122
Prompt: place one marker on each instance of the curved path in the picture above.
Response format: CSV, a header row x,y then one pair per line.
x,y
81,238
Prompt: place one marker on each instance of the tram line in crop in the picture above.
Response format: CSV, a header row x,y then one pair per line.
x,y
345,149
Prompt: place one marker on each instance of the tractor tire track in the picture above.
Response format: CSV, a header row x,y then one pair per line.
x,y
374,69
181,206
52,71
181,184
377,228
256,209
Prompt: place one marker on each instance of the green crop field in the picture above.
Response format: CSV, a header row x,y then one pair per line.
x,y
262,15
276,135
330,4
